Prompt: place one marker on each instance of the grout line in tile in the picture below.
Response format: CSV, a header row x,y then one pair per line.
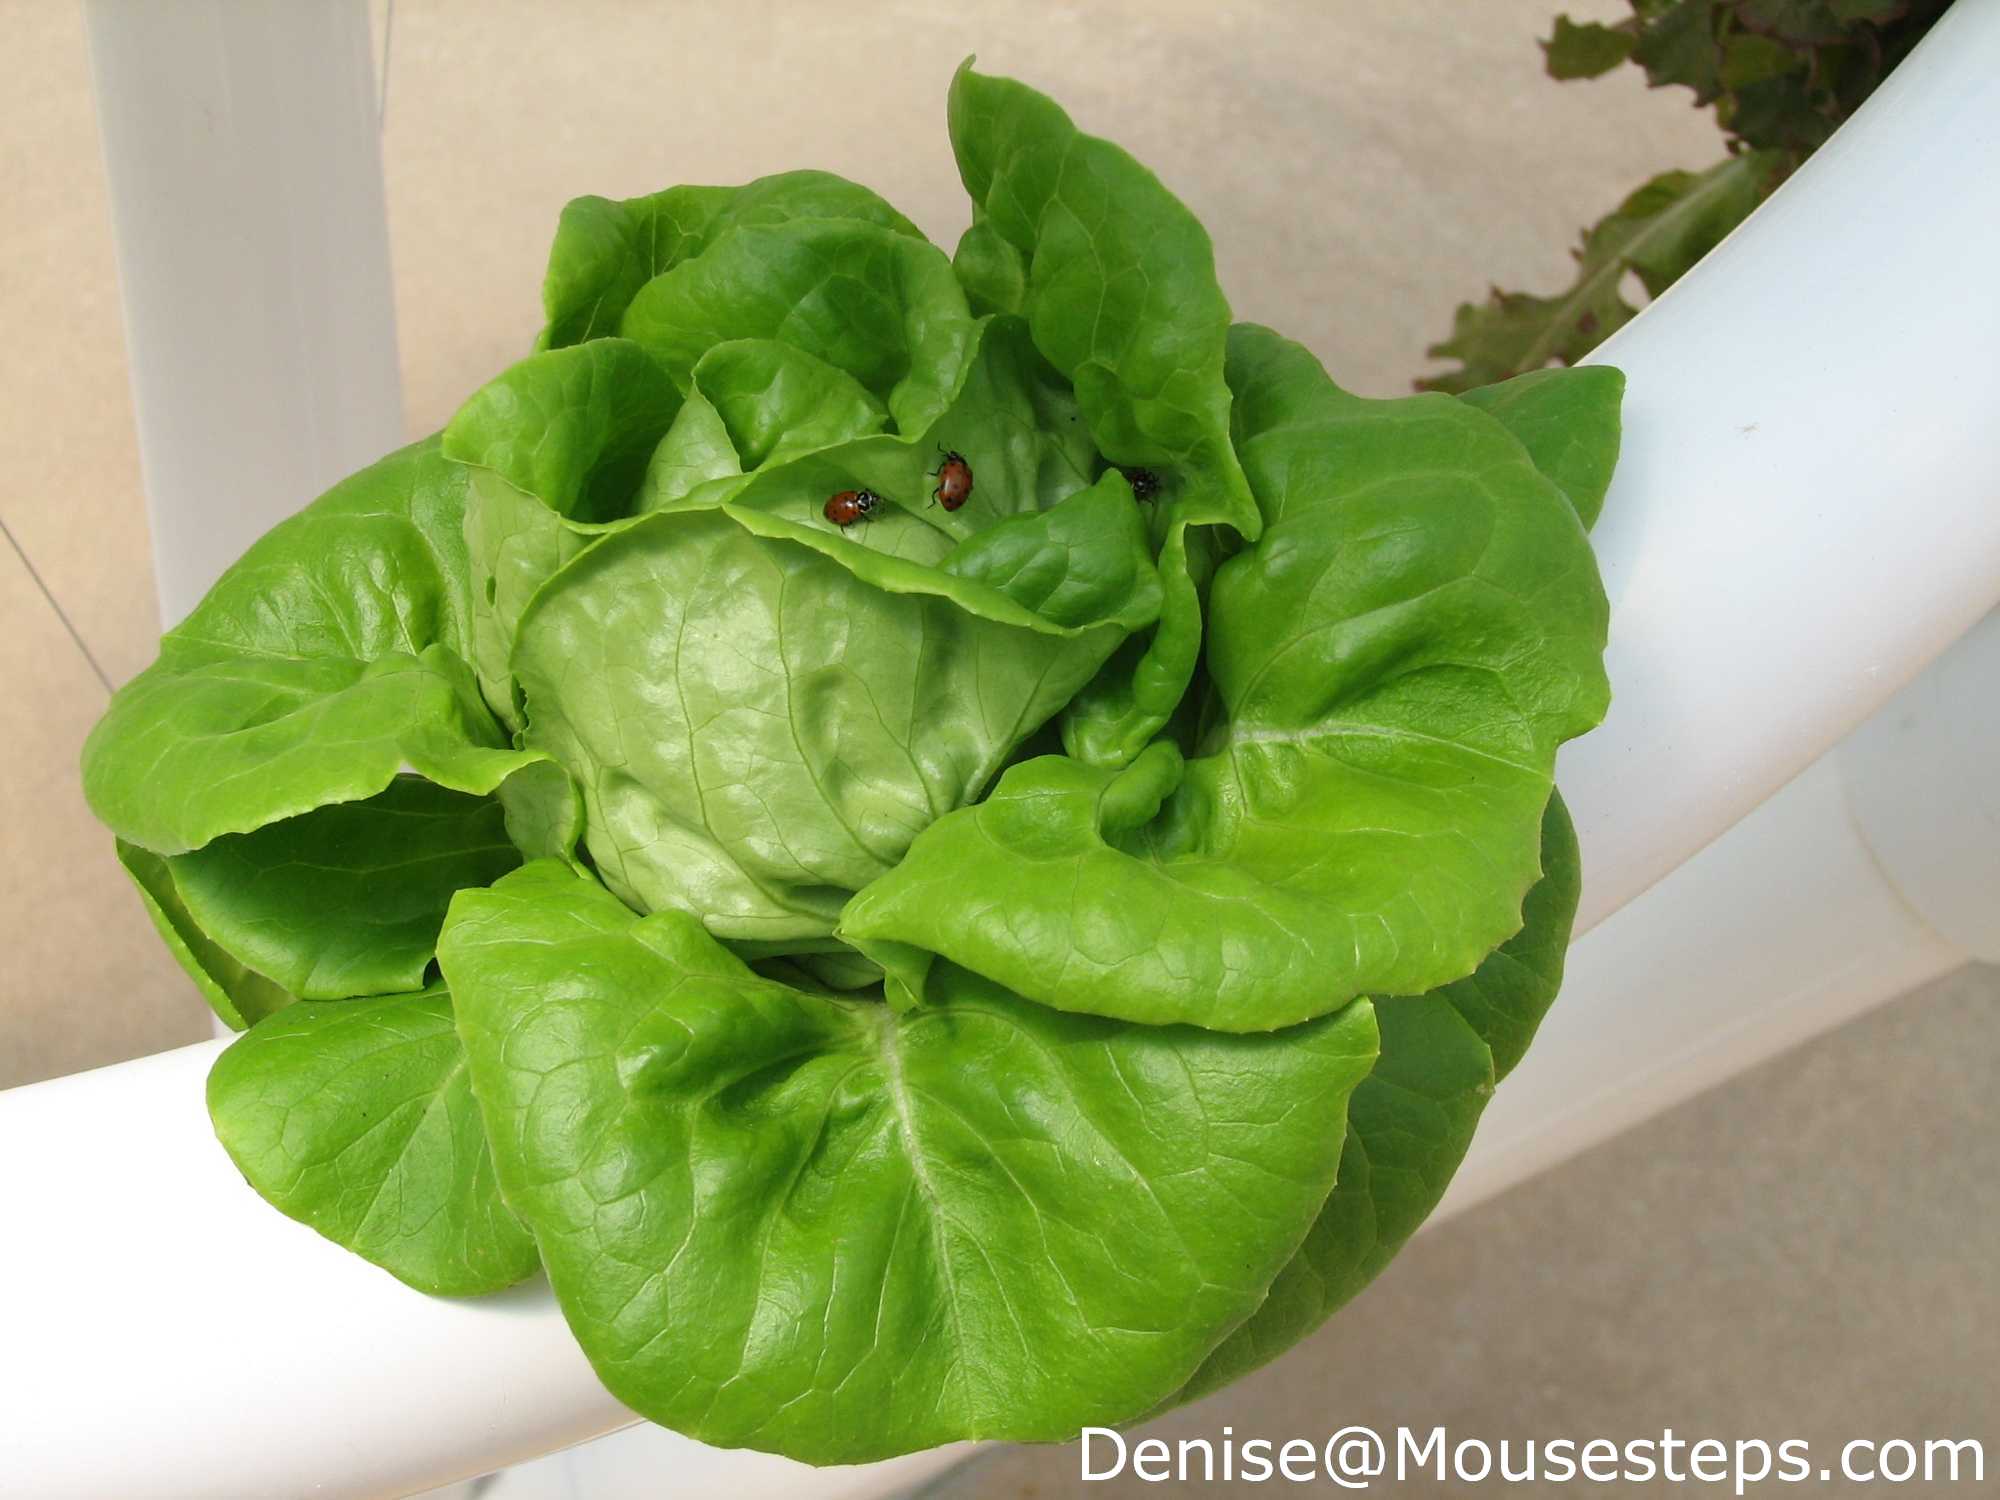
x,y
62,614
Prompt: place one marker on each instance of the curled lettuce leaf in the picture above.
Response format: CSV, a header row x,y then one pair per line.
x,y
237,994
1410,1122
879,305
330,658
606,249
1010,412
347,899
794,1221
1117,281
357,1118
1394,663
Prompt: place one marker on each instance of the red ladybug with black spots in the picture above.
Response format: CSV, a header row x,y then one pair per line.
x,y
849,506
954,481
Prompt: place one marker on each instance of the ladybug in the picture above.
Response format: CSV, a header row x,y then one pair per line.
x,y
850,506
954,477
1145,483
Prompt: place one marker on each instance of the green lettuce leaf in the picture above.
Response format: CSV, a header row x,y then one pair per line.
x,y
1568,420
1117,281
1011,417
605,249
754,402
1411,1120
762,716
881,306
324,663
347,899
356,1117
1394,664
239,995
790,1221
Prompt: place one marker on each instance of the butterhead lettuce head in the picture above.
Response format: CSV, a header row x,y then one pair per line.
x,y
909,964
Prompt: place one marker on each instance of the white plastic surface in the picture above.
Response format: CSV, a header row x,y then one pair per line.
x,y
1806,514
1923,777
166,1334
1807,506
253,255
1782,929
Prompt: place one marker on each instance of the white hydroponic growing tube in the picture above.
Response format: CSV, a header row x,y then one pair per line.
x,y
253,255
1806,515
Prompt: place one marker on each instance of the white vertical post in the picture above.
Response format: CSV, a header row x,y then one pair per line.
x,y
253,252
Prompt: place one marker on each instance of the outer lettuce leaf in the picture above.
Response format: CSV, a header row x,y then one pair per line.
x,y
240,996
356,1117
347,899
1568,420
881,306
1394,663
794,1222
1411,1120
606,250
762,716
327,660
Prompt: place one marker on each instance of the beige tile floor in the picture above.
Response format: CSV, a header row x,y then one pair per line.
x,y
1809,1248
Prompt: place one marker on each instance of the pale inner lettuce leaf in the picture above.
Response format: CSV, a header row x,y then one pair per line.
x,y
795,1222
1395,662
759,729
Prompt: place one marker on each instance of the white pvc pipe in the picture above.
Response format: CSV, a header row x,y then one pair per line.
x,y
1923,778
151,1245
253,255
1782,929
1770,587
1875,870
1807,507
